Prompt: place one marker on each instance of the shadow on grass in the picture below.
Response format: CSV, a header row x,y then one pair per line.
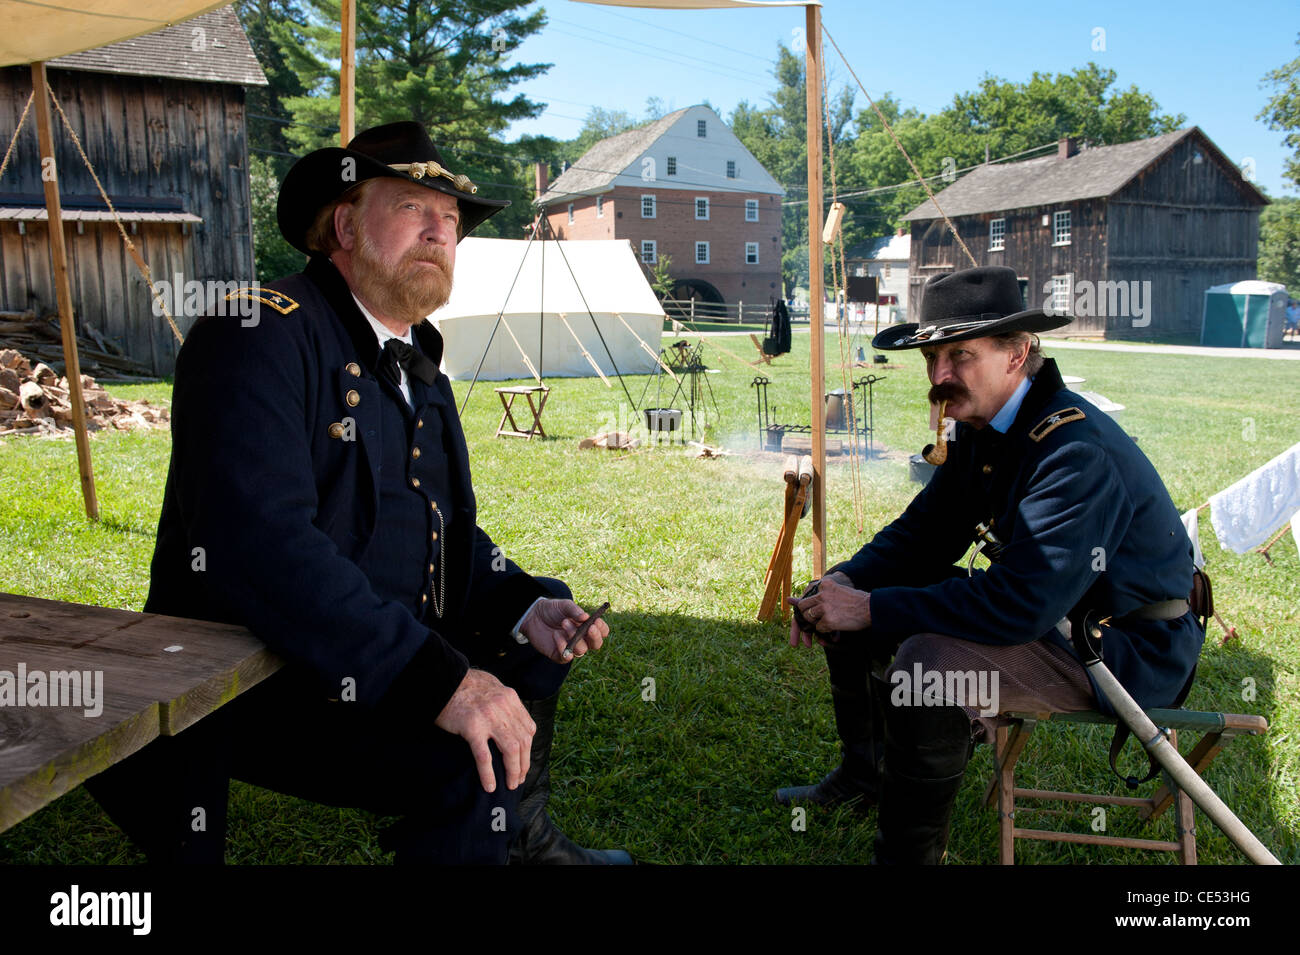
x,y
672,740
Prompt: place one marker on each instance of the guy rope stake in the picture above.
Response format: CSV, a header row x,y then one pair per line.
x,y
1155,743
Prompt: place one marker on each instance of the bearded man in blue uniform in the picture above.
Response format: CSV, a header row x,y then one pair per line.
x,y
319,494
1076,523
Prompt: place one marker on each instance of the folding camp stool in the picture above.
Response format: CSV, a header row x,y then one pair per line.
x,y
1216,730
508,396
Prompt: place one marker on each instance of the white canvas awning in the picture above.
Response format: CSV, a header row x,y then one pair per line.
x,y
605,278
41,31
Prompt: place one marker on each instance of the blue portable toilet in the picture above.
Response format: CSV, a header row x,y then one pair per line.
x,y
1249,314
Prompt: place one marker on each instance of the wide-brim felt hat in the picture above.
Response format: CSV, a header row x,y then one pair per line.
x,y
972,303
401,151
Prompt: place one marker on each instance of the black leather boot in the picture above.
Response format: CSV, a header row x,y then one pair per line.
x,y
540,842
859,722
926,751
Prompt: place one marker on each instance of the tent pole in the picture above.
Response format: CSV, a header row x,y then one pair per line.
x,y
816,292
63,290
347,71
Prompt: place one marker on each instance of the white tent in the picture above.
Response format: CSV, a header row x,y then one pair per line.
x,y
605,278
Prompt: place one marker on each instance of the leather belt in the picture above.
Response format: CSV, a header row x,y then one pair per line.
x,y
1163,610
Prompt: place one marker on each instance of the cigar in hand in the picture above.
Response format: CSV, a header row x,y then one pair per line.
x,y
583,628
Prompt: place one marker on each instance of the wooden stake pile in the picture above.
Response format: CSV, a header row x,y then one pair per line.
x,y
34,400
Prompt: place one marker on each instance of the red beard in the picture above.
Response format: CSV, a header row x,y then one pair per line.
x,y
406,288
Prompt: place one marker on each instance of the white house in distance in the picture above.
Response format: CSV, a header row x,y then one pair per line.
x,y
886,258
682,186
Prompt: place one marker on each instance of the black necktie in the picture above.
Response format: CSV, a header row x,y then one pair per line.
x,y
397,355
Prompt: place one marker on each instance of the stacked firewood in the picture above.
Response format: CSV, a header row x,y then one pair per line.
x,y
34,400
40,340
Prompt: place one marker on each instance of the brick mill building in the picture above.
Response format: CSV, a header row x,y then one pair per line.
x,y
683,187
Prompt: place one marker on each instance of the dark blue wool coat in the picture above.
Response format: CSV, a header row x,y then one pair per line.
x,y
273,492
1083,518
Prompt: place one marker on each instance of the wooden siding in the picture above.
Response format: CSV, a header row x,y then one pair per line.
x,y
156,140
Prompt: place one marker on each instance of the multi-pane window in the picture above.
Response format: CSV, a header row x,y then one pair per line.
x,y
570,213
751,253
701,128
701,253
751,210
600,207
731,169
647,207
1061,294
672,165
649,251
1061,228
701,207
997,235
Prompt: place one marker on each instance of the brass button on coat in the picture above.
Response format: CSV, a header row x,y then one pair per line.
x,y
988,469
434,505
435,535
415,482
419,422
353,369
352,398
415,452
336,429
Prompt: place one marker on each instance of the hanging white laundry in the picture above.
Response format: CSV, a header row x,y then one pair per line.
x,y
1194,535
1244,514
1295,528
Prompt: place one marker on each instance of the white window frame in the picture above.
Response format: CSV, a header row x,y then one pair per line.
x,y
654,206
751,210
701,247
731,169
1062,293
751,247
652,247
600,207
570,213
705,200
1061,228
672,166
701,129
885,270
998,235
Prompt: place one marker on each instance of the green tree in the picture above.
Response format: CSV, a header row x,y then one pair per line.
x,y
777,136
445,65
267,113
1283,110
273,257
1279,244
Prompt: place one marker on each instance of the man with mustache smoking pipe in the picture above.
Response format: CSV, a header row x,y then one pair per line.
x,y
1075,522
320,494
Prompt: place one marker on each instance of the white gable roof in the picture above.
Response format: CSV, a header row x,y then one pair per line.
x,y
639,158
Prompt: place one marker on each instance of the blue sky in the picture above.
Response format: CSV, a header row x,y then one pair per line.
x,y
1202,59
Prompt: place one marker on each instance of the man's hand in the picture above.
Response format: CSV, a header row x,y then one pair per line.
x,y
550,625
837,605
482,709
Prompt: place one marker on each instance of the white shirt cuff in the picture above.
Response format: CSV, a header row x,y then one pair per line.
x,y
519,637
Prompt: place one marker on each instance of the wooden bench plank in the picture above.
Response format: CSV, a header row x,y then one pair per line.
x,y
189,667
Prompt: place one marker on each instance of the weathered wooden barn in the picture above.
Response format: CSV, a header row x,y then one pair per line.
x,y
162,119
1125,237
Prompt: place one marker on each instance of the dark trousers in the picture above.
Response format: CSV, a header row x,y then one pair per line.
x,y
170,798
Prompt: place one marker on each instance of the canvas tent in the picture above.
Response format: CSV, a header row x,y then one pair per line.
x,y
1250,314
557,281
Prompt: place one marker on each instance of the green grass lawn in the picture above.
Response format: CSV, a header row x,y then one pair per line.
x,y
679,546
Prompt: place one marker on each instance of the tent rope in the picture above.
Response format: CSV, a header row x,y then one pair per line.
x,y
890,129
140,263
18,129
839,282
564,317
582,295
501,319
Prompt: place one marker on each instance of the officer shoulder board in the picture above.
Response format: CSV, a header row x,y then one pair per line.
x,y
277,300
1053,421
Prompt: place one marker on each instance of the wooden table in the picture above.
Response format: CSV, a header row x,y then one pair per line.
x,y
508,396
159,675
